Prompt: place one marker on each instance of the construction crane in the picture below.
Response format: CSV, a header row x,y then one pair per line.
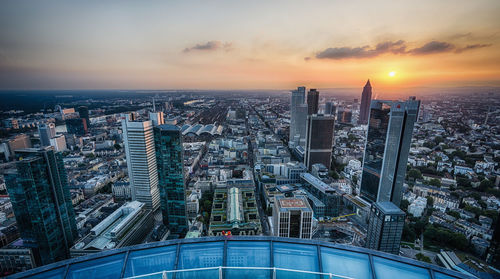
x,y
333,219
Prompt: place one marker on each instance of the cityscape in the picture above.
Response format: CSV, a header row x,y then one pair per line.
x,y
363,174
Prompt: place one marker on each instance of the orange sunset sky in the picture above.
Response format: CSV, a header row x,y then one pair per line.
x,y
248,44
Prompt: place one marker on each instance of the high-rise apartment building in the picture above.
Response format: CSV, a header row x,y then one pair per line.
x,y
386,151
46,132
366,98
169,159
41,200
385,227
141,161
319,140
292,217
298,114
312,101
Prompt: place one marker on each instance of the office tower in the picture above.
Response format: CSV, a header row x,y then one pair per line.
x,y
366,98
388,142
292,217
40,197
312,101
319,140
141,161
157,118
46,132
385,227
76,126
83,111
169,159
329,108
297,118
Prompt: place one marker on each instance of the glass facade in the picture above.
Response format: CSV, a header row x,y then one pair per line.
x,y
42,205
388,142
241,257
169,160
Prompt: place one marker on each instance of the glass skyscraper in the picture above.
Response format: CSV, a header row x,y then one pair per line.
x,y
41,200
388,142
169,159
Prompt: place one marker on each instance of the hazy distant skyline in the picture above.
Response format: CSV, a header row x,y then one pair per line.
x,y
248,44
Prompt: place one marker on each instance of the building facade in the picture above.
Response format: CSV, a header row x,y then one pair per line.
x,y
292,217
385,227
312,101
76,126
42,203
386,151
319,140
141,161
366,98
46,132
298,113
170,163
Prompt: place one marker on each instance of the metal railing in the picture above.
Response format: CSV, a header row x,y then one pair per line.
x,y
166,274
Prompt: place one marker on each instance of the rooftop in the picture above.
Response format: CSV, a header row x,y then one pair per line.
x,y
241,257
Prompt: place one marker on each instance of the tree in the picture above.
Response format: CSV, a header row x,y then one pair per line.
x,y
463,182
404,205
334,174
454,214
485,185
430,201
415,174
435,182
355,179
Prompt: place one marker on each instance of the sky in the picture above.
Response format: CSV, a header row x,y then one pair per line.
x,y
254,44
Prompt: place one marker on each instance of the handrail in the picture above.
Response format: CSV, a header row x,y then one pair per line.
x,y
220,268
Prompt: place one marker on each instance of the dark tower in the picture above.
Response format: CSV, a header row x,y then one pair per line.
x,y
366,98
312,101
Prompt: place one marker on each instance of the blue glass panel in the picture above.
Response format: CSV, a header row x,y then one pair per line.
x,y
202,254
295,256
345,263
438,275
151,260
51,274
385,268
248,253
108,267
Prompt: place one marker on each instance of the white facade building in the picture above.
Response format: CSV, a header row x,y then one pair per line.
x,y
141,161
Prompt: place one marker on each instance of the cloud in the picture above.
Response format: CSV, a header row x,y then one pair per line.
x,y
399,47
395,47
471,47
432,47
209,46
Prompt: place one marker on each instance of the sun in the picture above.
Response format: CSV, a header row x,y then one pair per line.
x,y
391,74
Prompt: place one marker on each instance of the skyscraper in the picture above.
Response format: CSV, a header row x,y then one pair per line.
x,y
298,113
157,118
83,111
40,197
385,227
386,151
141,161
366,98
319,140
312,101
46,132
329,108
169,159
